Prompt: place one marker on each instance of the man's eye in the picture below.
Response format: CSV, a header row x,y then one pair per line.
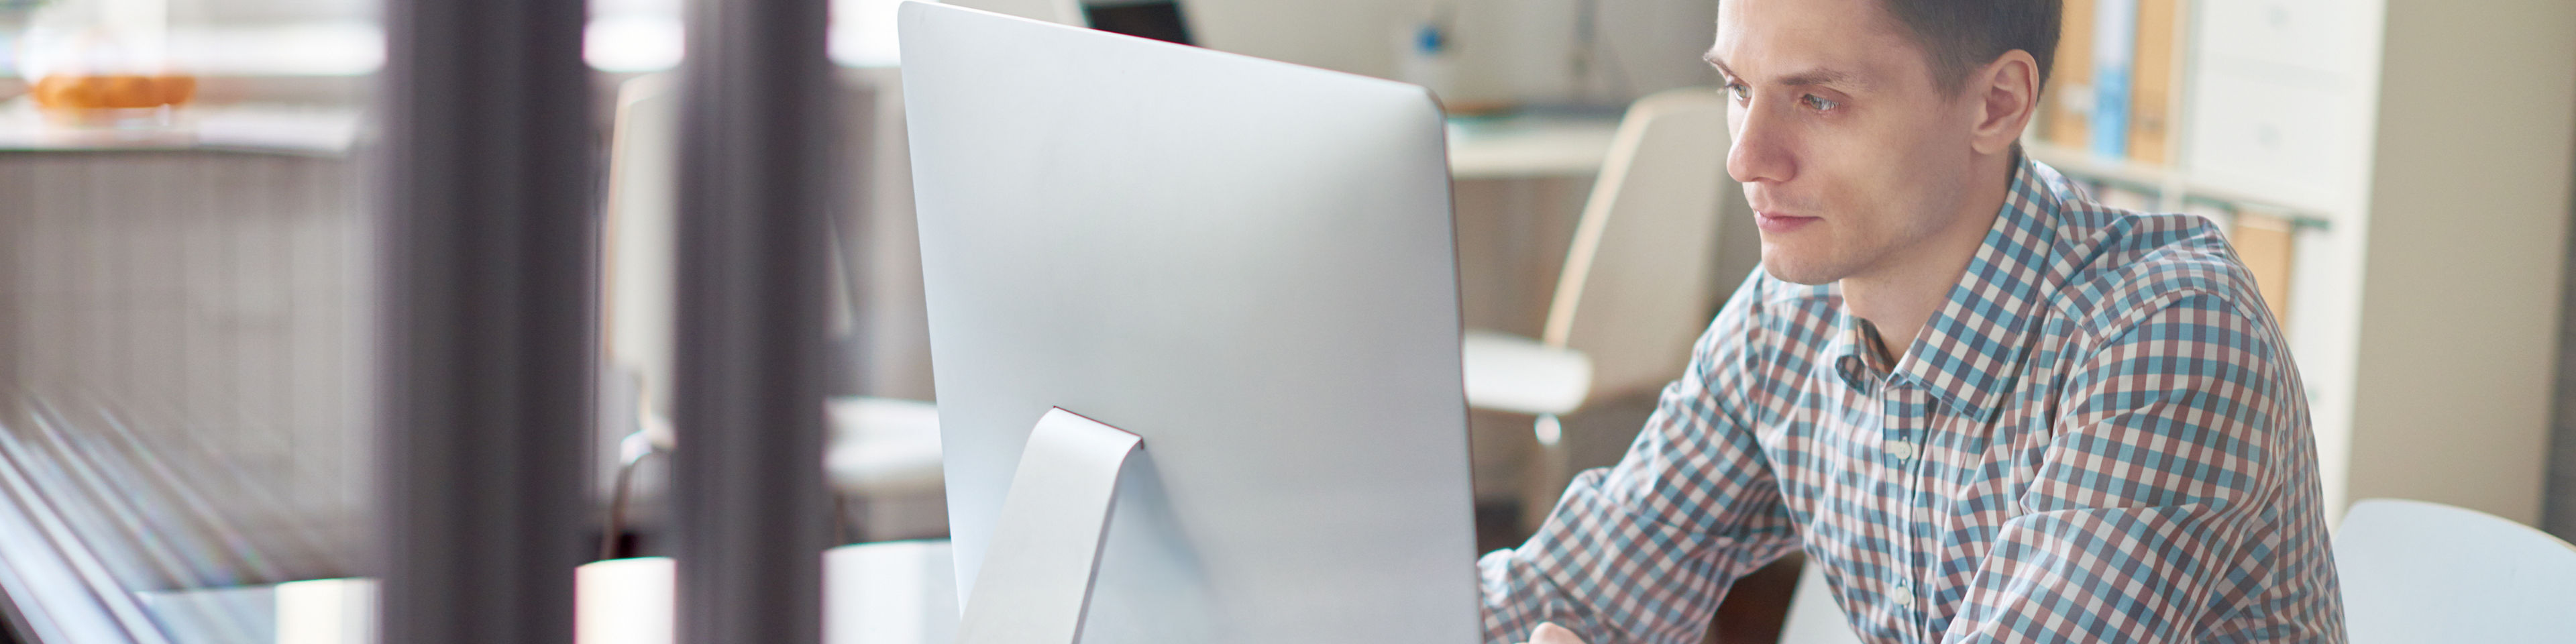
x,y
1818,103
1739,91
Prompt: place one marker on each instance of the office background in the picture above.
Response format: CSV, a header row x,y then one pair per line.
x,y
213,292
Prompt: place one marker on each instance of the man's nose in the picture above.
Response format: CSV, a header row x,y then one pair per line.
x,y
1760,153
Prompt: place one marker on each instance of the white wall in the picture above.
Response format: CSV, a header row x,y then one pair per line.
x,y
1356,36
1524,49
2468,221
237,11
1507,50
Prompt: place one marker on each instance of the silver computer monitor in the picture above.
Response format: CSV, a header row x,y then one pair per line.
x,y
1248,263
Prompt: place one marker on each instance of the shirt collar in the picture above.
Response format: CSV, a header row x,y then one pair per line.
x,y
1971,349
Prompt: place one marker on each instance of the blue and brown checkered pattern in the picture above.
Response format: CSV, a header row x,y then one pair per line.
x,y
2100,438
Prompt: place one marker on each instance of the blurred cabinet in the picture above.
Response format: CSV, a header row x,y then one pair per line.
x,y
2282,102
215,302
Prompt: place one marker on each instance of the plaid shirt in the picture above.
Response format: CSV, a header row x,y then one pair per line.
x,y
2100,437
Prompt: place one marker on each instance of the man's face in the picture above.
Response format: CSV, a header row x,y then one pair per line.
x,y
1849,152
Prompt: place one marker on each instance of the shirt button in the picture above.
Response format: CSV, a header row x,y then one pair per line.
x,y
1901,450
1902,597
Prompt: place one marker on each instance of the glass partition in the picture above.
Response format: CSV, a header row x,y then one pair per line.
x,y
185,275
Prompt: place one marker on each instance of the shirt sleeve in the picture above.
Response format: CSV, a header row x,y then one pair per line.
x,y
2163,462
1642,551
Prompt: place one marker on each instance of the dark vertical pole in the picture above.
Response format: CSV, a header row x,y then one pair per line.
x,y
486,314
2558,488
747,477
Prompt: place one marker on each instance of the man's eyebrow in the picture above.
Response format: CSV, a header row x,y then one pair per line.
x,y
1818,76
1809,78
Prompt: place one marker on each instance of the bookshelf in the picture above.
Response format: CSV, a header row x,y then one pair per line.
x,y
2397,174
2171,189
2143,146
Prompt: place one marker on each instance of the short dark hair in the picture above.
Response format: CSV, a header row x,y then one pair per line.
x,y
1957,36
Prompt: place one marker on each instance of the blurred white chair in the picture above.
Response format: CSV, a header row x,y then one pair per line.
x,y
883,447
2425,572
2412,573
1636,287
877,448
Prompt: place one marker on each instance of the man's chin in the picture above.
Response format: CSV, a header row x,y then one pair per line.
x,y
1797,272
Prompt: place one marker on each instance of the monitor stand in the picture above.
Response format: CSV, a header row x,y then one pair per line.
x,y
1035,583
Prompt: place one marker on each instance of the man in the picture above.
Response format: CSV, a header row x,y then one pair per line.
x,y
1990,409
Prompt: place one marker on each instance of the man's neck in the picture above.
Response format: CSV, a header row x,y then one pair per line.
x,y
1899,296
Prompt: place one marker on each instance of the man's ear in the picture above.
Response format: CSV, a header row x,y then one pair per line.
x,y
2007,96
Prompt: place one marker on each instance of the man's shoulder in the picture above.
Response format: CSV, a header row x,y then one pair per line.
x,y
2130,265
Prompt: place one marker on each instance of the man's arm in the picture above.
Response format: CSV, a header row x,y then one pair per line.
x,y
1642,551
2179,443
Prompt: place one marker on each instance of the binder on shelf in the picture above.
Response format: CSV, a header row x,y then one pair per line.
x,y
2115,41
2151,88
2069,97
2264,242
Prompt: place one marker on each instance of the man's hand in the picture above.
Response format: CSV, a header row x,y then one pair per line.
x,y
1550,633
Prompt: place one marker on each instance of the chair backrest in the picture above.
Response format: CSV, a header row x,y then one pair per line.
x,y
637,235
2425,572
1638,284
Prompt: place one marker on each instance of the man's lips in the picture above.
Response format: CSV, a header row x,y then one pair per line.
x,y
1779,223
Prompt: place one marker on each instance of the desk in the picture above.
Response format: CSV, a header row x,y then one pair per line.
x,y
1529,145
250,127
897,592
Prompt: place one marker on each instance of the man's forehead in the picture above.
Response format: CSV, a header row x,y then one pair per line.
x,y
1861,18
1809,41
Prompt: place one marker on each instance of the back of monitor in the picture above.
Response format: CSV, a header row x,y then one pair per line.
x,y
1067,12
1247,263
